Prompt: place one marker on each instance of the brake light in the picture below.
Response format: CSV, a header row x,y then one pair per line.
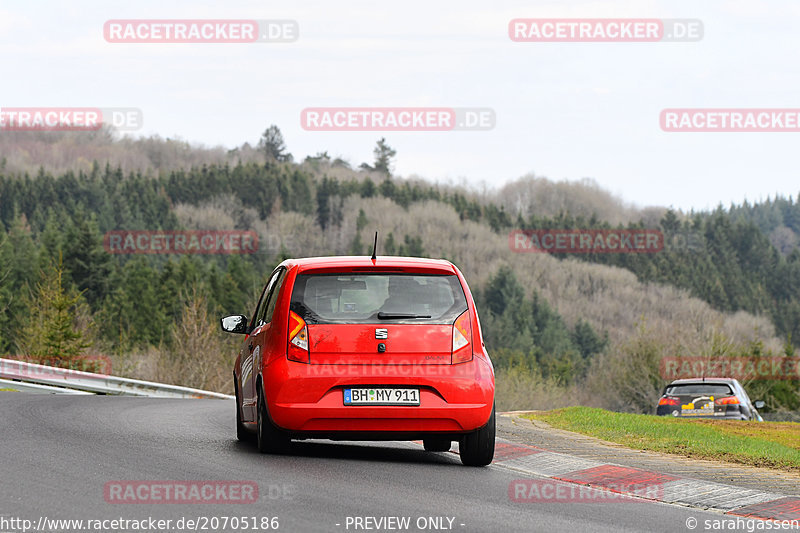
x,y
728,400
298,339
669,400
462,339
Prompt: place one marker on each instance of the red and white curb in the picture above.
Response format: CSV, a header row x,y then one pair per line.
x,y
669,488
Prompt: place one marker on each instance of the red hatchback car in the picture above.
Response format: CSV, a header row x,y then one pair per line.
x,y
354,348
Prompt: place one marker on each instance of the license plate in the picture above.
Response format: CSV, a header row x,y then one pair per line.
x,y
381,396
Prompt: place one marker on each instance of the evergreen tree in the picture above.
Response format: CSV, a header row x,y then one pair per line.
x,y
413,246
273,145
323,203
389,246
383,157
368,189
87,263
357,247
50,334
19,266
362,220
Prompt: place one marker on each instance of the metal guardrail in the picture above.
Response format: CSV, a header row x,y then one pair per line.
x,y
76,380
22,386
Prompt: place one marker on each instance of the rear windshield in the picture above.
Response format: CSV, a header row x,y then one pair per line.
x,y
700,389
378,298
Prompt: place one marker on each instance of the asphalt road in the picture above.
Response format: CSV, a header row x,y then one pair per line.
x,y
59,452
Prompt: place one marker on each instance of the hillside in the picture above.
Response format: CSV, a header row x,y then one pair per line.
x,y
563,330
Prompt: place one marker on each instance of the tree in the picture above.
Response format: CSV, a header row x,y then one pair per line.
x,y
587,341
413,246
132,313
87,263
273,145
19,265
357,247
51,334
328,212
389,246
322,159
340,163
383,156
387,188
362,220
367,188
6,295
670,222
200,356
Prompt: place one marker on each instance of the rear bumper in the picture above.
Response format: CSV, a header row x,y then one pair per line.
x,y
732,413
308,400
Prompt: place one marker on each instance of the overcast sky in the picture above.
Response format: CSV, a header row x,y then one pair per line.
x,y
564,110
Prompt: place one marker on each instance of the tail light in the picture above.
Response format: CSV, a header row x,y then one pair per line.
x,y
669,400
298,339
728,400
462,339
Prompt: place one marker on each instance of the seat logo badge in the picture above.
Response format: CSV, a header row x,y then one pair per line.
x,y
381,333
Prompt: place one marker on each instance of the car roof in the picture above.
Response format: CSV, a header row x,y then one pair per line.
x,y
366,263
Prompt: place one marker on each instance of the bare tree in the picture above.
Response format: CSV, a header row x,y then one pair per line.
x,y
200,357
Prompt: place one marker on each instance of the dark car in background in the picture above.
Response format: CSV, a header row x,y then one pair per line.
x,y
722,398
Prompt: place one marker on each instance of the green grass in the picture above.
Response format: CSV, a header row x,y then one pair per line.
x,y
766,444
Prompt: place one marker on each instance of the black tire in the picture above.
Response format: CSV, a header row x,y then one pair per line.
x,y
477,448
437,444
271,439
241,432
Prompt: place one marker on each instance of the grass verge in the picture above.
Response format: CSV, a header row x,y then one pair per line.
x,y
765,444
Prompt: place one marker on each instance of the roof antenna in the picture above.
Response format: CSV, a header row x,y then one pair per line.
x,y
375,247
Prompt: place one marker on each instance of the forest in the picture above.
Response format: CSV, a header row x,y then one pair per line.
x,y
562,329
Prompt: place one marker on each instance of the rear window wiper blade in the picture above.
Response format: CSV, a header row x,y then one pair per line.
x,y
389,316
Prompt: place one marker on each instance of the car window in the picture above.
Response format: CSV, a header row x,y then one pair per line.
x,y
704,389
261,302
267,305
350,298
272,298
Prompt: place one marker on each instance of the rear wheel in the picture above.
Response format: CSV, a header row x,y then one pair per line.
x,y
436,444
477,448
270,438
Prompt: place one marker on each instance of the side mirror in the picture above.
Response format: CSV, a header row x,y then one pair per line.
x,y
234,324
759,404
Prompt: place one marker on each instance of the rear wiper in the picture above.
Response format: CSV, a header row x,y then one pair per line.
x,y
389,316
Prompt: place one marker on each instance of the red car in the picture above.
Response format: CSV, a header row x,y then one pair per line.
x,y
355,348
